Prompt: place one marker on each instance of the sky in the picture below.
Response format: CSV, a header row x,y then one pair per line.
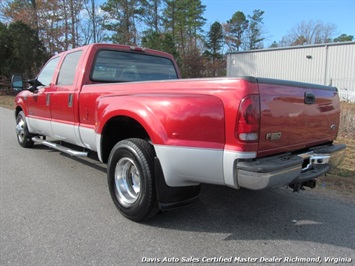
x,y
282,15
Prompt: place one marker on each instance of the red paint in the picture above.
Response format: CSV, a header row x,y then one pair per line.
x,y
203,113
301,125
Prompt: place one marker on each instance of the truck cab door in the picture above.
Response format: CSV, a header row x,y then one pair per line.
x,y
38,102
64,100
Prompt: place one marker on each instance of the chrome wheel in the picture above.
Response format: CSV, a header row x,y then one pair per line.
x,y
20,129
127,181
130,177
24,137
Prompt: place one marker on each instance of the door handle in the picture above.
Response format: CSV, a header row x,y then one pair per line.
x,y
70,100
309,98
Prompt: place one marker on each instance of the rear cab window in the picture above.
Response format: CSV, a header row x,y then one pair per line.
x,y
120,66
68,69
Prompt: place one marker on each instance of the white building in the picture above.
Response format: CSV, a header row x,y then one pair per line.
x,y
327,64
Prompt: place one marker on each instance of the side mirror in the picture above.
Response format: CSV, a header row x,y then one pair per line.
x,y
17,82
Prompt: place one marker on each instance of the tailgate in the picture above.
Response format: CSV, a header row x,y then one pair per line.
x,y
296,115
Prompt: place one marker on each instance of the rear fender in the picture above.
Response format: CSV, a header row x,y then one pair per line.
x,y
192,120
190,128
109,107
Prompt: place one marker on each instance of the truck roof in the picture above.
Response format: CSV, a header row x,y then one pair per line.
x,y
124,48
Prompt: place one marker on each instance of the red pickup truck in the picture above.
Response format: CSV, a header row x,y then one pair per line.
x,y
162,136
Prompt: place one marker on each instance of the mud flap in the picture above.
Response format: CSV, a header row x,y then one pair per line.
x,y
173,197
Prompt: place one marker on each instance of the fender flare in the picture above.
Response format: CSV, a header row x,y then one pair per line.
x,y
108,107
20,105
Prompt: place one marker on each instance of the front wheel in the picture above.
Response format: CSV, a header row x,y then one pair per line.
x,y
130,179
24,137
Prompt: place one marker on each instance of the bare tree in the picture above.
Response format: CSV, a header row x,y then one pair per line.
x,y
91,25
71,13
309,32
20,10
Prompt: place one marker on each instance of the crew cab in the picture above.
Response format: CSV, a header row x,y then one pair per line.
x,y
162,136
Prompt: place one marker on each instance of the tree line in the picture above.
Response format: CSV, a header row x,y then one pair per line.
x,y
31,31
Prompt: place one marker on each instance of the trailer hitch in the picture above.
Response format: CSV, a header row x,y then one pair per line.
x,y
300,186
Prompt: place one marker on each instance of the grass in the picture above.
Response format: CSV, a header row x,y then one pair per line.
x,y
7,101
347,120
347,135
347,168
341,179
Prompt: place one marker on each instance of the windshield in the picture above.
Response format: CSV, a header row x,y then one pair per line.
x,y
118,66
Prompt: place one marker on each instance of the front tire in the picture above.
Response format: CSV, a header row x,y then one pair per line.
x,y
130,179
24,137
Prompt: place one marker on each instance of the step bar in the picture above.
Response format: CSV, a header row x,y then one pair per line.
x,y
60,148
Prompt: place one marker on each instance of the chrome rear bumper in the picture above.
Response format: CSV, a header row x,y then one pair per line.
x,y
286,169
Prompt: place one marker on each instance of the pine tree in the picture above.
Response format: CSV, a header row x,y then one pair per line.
x,y
23,57
215,62
344,38
160,41
151,14
214,41
235,29
255,38
121,17
184,20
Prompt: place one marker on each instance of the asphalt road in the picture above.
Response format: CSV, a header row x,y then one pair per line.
x,y
56,210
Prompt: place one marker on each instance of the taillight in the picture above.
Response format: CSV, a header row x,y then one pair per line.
x,y
248,119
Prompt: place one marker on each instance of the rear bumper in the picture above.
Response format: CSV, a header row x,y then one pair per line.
x,y
286,169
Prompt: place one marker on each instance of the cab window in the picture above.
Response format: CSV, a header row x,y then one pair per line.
x,y
120,66
68,69
45,76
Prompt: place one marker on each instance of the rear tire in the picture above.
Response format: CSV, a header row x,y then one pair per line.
x,y
130,179
24,137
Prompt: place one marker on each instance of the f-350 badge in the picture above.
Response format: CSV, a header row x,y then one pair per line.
x,y
273,136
